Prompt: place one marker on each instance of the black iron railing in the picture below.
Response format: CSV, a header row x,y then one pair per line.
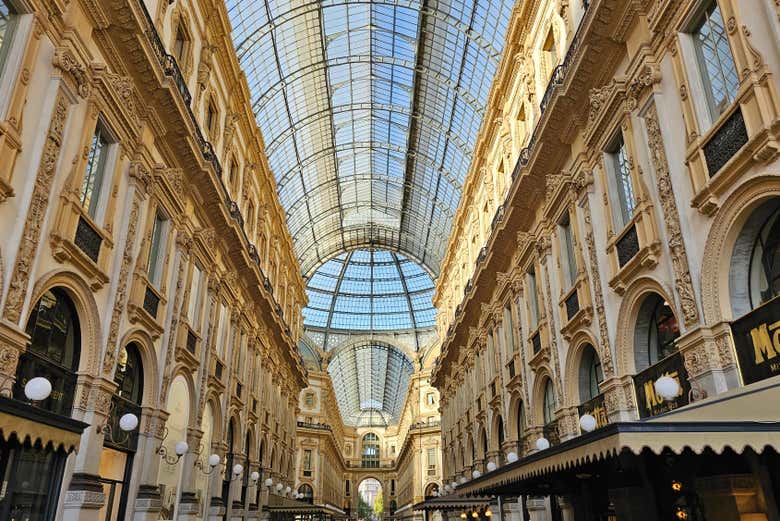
x,y
572,305
171,69
88,240
151,302
627,246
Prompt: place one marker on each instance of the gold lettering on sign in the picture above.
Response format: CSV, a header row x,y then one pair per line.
x,y
766,341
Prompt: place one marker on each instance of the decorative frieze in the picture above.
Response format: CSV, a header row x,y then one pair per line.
x,y
39,202
679,258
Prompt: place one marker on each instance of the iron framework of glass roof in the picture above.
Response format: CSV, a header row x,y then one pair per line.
x,y
370,111
370,380
369,290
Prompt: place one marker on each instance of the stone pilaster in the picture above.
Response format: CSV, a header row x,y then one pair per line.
x,y
619,399
710,360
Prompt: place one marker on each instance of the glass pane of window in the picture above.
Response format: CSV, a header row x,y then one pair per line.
x,y
8,17
567,250
716,63
92,184
549,403
157,248
533,302
765,262
623,184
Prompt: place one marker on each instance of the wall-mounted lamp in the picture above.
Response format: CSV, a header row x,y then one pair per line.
x,y
180,449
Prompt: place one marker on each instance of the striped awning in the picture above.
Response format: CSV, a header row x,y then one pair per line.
x,y
452,502
30,423
746,418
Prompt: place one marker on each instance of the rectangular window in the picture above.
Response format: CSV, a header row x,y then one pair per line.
x,y
307,462
533,299
346,488
8,19
715,61
568,261
211,116
179,45
157,248
509,328
94,175
431,456
221,331
196,290
622,195
430,399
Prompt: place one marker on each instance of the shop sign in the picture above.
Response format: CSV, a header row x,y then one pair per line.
x,y
648,401
595,407
757,341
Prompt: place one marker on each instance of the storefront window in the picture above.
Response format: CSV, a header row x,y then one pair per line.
x,y
656,332
590,374
549,402
31,477
765,262
53,351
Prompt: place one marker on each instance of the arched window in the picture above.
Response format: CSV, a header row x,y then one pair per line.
x,y
549,402
53,351
370,450
500,427
590,374
129,378
520,423
306,493
656,331
765,262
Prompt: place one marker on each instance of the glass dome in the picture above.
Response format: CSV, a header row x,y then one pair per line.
x,y
370,290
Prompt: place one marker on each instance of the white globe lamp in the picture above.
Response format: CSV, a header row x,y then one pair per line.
x,y
128,422
181,448
587,423
269,482
37,389
667,388
511,457
214,460
238,469
476,474
279,487
491,466
542,443
254,476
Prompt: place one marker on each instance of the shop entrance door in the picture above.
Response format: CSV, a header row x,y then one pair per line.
x,y
31,480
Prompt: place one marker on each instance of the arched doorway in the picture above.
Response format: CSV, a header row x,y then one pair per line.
x,y
370,500
306,493
116,460
53,352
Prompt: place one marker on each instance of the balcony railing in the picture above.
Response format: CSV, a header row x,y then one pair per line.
x,y
312,425
171,69
556,80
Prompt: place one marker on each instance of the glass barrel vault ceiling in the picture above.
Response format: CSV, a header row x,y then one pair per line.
x,y
364,398
369,112
369,290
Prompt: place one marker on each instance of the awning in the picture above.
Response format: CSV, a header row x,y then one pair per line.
x,y
746,418
32,423
452,502
294,506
